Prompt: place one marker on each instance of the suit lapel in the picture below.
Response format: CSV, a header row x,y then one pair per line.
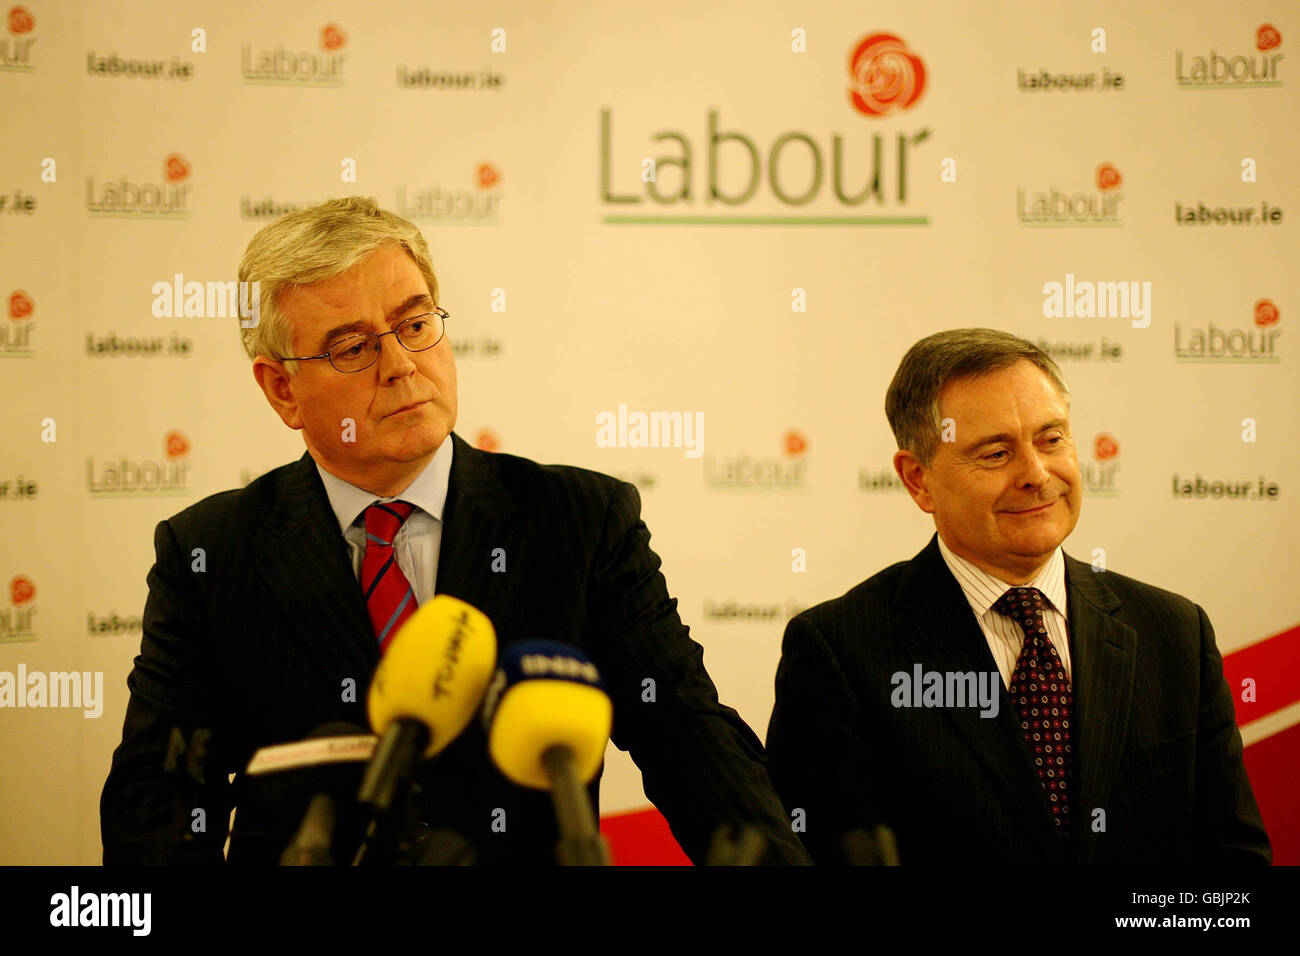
x,y
479,534
1104,655
304,560
945,636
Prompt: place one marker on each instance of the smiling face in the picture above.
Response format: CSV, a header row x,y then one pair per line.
x,y
403,407
1006,492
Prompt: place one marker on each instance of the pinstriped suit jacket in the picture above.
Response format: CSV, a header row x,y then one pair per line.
x,y
257,647
1158,775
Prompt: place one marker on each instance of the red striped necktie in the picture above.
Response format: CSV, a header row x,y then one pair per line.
x,y
389,596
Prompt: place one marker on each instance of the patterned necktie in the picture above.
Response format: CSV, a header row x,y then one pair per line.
x,y
389,596
1041,694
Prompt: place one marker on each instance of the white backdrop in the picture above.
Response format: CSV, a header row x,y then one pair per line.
x,y
784,334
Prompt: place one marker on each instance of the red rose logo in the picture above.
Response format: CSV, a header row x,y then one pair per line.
x,y
20,306
175,168
488,176
1108,177
332,37
21,590
176,445
1104,447
795,444
1266,37
886,77
22,21
487,441
1266,313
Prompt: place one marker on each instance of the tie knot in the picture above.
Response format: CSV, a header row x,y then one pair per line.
x,y
1021,604
383,520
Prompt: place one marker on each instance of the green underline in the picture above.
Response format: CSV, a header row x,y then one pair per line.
x,y
768,220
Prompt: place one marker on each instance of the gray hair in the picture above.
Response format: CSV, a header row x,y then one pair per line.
x,y
912,401
314,244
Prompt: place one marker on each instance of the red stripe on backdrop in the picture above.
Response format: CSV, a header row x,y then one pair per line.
x,y
1273,765
1274,665
642,838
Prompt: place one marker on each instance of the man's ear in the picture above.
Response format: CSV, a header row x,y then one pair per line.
x,y
277,386
913,476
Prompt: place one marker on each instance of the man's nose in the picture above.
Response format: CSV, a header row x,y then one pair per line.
x,y
394,358
1032,469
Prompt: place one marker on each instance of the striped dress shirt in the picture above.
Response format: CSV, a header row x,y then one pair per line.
x,y
418,540
1004,636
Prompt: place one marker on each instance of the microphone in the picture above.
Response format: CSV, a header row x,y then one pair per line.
x,y
311,845
870,846
548,719
319,773
425,690
185,768
445,847
736,845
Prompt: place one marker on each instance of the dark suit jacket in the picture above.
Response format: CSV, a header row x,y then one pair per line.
x,y
1156,747
257,647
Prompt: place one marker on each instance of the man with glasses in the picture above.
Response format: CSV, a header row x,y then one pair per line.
x,y
309,571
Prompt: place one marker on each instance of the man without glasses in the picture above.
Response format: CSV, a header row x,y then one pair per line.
x,y
1114,740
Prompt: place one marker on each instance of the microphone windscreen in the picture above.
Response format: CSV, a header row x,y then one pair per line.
x,y
544,694
281,780
323,761
435,670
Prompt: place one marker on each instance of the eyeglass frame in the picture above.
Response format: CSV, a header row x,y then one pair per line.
x,y
437,310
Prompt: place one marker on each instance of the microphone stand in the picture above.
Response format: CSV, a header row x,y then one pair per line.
x,y
580,842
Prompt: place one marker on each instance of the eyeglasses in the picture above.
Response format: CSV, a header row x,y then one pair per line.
x,y
359,351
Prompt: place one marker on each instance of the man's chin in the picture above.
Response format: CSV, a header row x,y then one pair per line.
x,y
1038,544
416,442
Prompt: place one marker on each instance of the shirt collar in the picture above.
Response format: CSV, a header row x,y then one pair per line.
x,y
982,589
428,491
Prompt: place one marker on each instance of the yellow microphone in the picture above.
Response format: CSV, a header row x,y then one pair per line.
x,y
425,691
548,719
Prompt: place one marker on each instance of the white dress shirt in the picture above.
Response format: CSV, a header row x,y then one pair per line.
x,y
1004,636
418,540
